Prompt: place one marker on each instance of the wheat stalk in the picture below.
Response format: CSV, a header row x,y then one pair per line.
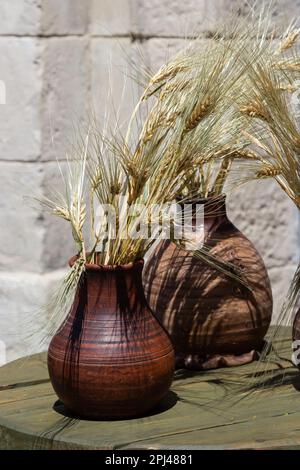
x,y
221,176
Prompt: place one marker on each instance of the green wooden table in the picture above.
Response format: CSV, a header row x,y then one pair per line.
x,y
202,411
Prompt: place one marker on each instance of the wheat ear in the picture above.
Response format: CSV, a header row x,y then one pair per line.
x,y
200,110
269,171
255,110
287,65
288,88
289,41
167,72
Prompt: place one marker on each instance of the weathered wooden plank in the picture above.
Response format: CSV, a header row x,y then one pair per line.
x,y
24,371
211,411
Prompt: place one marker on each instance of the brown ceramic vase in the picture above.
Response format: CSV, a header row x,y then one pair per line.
x,y
111,359
296,334
213,320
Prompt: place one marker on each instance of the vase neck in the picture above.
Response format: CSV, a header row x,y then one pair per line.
x,y
213,206
213,210
114,291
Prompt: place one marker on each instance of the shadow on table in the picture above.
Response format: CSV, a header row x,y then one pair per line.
x,y
166,404
232,386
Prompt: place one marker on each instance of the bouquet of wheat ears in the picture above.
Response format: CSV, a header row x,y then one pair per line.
x,y
230,111
218,115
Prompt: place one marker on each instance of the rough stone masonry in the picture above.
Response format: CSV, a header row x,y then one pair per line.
x,y
58,60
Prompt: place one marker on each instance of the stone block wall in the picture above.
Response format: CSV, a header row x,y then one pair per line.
x,y
58,60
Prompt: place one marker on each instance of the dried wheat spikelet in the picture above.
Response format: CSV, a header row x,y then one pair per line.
x,y
169,121
288,88
172,88
115,188
255,110
245,154
132,170
167,72
96,178
200,110
289,41
153,123
61,212
78,208
287,65
268,172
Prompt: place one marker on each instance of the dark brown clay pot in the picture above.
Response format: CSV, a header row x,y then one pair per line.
x,y
111,358
213,320
296,336
296,326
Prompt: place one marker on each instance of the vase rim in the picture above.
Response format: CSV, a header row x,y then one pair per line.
x,y
108,267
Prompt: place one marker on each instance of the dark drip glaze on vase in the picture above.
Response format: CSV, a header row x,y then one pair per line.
x,y
111,358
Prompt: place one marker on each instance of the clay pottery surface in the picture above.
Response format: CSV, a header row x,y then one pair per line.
x,y
213,320
296,337
296,326
111,358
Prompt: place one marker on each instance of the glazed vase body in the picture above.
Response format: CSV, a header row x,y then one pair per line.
x,y
296,330
111,358
296,326
213,320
